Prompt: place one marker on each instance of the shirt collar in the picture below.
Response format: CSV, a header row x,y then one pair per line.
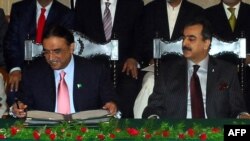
x,y
110,1
237,8
47,7
174,8
203,64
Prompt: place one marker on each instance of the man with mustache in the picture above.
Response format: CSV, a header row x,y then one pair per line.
x,y
165,19
88,84
29,19
219,95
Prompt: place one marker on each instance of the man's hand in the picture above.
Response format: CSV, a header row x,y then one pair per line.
x,y
15,78
130,67
19,109
111,107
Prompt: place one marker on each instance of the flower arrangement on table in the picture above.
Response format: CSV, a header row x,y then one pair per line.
x,y
112,131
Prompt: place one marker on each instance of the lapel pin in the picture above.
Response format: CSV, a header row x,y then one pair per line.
x,y
212,70
79,86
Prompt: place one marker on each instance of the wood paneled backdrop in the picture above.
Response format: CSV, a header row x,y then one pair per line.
x,y
6,4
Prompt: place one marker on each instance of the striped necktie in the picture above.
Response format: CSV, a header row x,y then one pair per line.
x,y
107,22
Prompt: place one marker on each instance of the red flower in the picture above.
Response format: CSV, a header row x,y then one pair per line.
x,y
36,135
13,131
191,132
48,131
79,138
203,136
112,136
52,136
84,129
215,130
2,136
165,133
101,137
148,136
132,131
181,136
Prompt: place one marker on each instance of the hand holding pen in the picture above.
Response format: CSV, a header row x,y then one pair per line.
x,y
19,109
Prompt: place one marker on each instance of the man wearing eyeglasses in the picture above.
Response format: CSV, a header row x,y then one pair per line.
x,y
47,80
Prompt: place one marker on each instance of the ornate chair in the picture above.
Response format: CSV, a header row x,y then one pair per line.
x,y
84,47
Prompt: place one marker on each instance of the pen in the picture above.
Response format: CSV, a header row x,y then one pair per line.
x,y
16,101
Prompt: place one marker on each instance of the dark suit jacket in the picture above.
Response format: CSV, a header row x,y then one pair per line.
x,y
38,86
3,29
221,26
126,20
155,21
223,95
23,26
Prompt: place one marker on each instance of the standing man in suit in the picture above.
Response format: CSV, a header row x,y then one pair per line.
x,y
219,93
240,21
29,19
91,20
165,19
3,29
88,84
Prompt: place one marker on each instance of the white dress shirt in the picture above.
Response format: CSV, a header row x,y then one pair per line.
x,y
172,17
69,78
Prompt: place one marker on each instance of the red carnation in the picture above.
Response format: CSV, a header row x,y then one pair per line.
x,y
148,136
101,137
215,130
48,131
112,136
132,131
36,135
203,136
79,138
181,136
52,136
191,132
84,129
165,133
13,131
2,136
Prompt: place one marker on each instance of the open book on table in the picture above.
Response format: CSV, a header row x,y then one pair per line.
x,y
88,117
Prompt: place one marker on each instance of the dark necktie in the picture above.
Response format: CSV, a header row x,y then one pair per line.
x,y
107,21
197,105
232,18
72,4
40,26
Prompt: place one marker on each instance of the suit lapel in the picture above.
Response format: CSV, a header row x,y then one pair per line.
x,y
51,16
162,15
241,18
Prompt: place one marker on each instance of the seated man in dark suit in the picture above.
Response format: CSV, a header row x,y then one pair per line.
x,y
28,20
182,91
84,85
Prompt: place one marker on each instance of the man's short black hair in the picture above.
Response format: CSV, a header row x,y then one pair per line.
x,y
206,27
60,31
